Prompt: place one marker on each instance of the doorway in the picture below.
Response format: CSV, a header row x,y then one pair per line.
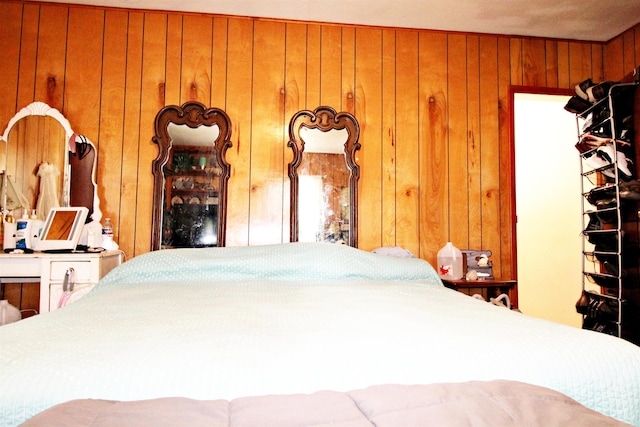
x,y
548,207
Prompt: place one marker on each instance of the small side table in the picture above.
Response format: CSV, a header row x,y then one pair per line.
x,y
487,288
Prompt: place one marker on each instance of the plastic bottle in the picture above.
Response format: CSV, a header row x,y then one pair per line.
x,y
450,262
107,234
23,231
9,232
36,228
91,238
8,313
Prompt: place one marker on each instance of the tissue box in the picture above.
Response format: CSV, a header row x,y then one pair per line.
x,y
470,262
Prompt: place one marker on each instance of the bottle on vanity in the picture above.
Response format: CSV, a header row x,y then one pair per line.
x,y
107,235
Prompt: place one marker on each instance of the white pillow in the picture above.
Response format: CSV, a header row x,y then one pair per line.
x,y
394,251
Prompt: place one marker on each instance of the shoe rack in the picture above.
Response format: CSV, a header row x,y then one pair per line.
x,y
610,299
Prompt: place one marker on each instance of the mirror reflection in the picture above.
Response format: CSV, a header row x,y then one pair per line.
x,y
35,142
324,176
323,187
190,177
191,188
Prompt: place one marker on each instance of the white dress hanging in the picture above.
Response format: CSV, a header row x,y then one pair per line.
x,y
48,197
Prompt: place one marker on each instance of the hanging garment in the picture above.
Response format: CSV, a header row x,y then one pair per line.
x,y
48,195
81,159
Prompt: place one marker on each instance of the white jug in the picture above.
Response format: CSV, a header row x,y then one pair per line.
x,y
8,313
450,262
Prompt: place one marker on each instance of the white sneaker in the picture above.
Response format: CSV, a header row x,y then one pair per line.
x,y
596,161
606,153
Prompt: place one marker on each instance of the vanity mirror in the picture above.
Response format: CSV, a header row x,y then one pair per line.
x,y
324,176
48,163
190,177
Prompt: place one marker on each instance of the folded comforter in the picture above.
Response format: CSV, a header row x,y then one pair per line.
x,y
477,404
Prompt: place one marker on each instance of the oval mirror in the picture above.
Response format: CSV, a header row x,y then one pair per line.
x,y
47,164
190,177
324,176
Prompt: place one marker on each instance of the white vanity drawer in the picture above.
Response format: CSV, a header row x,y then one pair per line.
x,y
19,266
82,270
55,292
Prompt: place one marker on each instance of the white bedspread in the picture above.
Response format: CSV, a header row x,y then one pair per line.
x,y
293,318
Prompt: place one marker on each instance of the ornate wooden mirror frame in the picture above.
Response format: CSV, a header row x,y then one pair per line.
x,y
302,126
182,126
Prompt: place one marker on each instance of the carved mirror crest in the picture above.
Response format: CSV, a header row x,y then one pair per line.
x,y
190,176
324,176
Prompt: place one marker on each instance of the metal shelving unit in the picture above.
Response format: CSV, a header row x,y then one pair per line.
x,y
606,151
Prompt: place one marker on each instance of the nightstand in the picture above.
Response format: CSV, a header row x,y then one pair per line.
x,y
487,288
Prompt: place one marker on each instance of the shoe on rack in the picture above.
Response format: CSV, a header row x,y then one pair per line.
x,y
602,197
577,105
597,92
601,220
630,190
604,312
625,165
611,268
582,147
595,140
604,242
602,129
582,305
596,161
594,223
588,122
581,89
597,119
627,121
587,144
603,257
625,138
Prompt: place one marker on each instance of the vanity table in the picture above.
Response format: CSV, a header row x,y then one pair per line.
x,y
39,135
49,270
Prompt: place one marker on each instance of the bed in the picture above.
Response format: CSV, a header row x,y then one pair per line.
x,y
296,319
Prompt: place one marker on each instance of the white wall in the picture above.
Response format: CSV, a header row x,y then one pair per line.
x,y
548,208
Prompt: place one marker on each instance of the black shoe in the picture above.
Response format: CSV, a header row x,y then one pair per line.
x,y
582,305
598,92
603,280
630,190
594,223
604,242
611,268
581,89
577,105
602,197
626,137
602,257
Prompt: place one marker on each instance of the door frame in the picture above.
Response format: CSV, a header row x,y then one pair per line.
x,y
513,90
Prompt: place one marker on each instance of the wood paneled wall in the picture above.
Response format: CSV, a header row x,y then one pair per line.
x,y
433,109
